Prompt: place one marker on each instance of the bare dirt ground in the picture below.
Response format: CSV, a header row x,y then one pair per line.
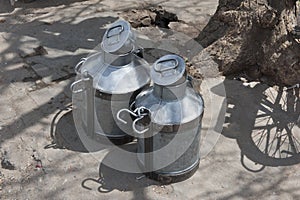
x,y
256,155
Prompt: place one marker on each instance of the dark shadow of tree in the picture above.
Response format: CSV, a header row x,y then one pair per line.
x,y
14,37
6,6
62,35
15,41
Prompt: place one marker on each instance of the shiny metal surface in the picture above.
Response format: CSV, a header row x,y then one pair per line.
x,y
170,92
119,78
114,87
183,151
106,111
183,157
168,70
118,39
123,79
91,65
179,111
110,80
172,132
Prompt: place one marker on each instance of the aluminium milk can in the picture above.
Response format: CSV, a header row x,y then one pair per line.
x,y
168,122
108,81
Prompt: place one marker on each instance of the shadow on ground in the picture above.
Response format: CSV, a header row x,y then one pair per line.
x,y
6,6
63,132
265,123
58,64
65,136
112,178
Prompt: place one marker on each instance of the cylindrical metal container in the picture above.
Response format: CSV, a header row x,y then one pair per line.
x,y
108,81
168,123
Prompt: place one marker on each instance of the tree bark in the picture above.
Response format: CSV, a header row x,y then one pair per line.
x,y
255,36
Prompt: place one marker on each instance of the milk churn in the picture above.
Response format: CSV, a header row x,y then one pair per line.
x,y
167,122
108,81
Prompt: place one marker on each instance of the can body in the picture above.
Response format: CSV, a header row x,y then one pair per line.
x,y
182,158
106,89
106,108
170,151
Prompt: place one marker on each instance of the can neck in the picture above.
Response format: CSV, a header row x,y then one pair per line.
x,y
171,92
118,60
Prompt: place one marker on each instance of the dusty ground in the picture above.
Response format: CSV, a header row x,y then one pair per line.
x,y
256,155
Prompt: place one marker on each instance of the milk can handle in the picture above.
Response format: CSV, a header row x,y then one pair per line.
x,y
72,87
78,66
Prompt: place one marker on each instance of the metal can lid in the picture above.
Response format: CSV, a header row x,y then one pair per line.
x,y
118,38
168,70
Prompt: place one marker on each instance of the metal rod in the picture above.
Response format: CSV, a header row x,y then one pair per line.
x,y
90,111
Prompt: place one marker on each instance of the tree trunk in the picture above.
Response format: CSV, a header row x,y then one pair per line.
x,y
255,36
